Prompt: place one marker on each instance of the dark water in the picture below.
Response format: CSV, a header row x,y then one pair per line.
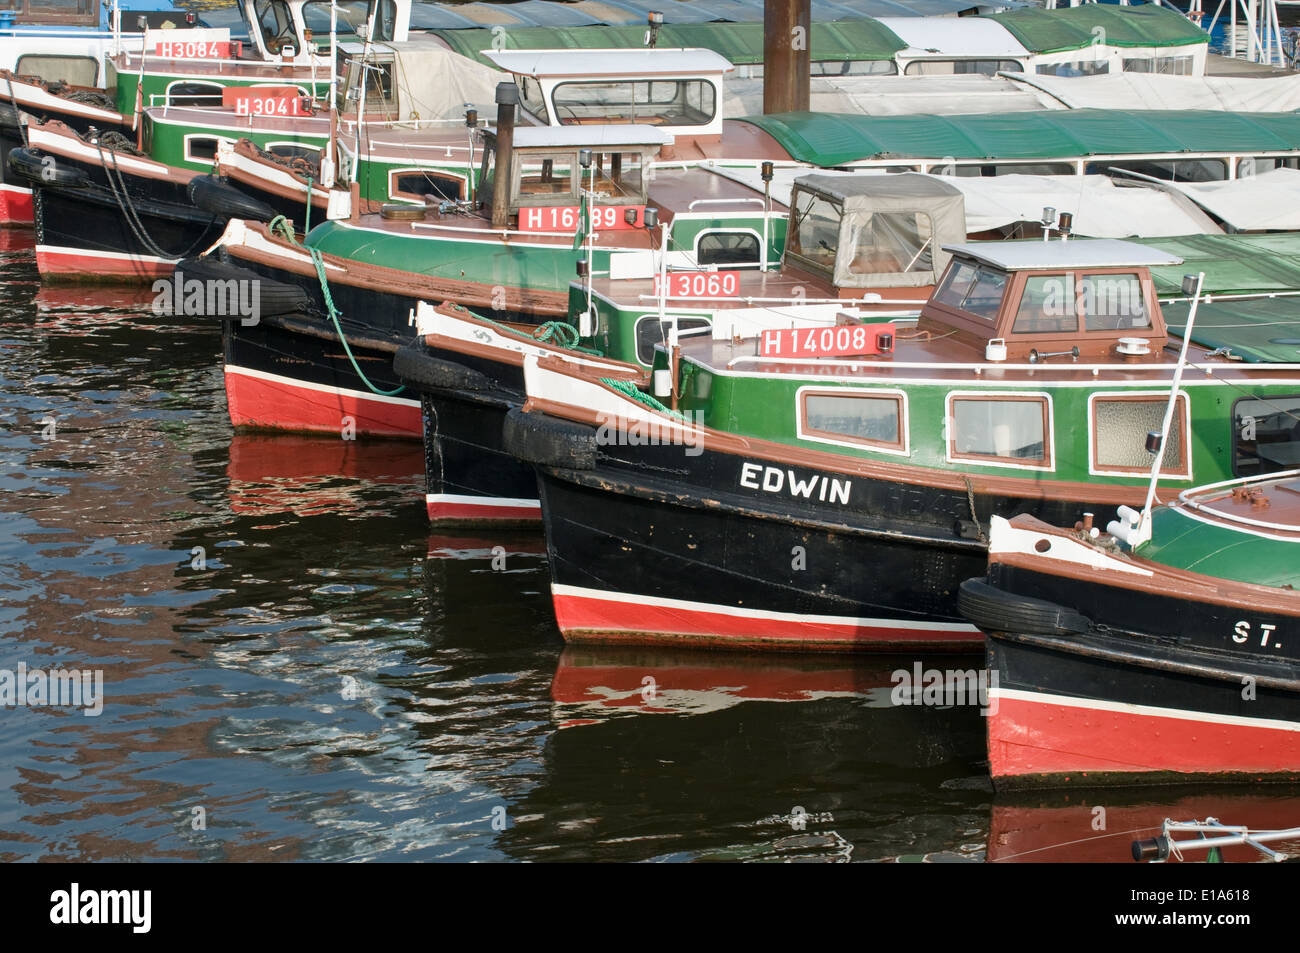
x,y
338,684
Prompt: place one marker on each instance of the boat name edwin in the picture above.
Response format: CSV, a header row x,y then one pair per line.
x,y
826,489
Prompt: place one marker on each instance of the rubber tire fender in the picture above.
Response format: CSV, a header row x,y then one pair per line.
x,y
214,195
549,441
273,297
996,610
45,170
420,370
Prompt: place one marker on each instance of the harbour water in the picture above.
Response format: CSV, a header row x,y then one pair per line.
x,y
295,668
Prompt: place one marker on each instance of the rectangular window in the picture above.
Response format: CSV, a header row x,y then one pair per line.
x,y
956,283
727,248
985,296
1047,305
1266,434
1120,428
874,420
77,70
416,185
685,102
890,243
1113,302
816,232
546,175
1077,68
1007,430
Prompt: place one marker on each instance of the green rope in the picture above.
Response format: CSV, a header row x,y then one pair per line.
x,y
286,229
567,333
631,390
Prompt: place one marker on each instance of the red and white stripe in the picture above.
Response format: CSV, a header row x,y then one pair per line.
x,y
56,261
1034,733
601,616
453,507
260,399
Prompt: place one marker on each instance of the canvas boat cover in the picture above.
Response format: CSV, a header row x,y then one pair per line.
x,y
1233,264
1154,91
897,95
741,43
1073,28
1268,201
830,140
1257,330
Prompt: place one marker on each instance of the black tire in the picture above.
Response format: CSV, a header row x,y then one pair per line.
x,y
996,610
273,297
217,197
421,371
549,441
45,170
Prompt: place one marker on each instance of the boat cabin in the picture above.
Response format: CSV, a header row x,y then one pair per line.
x,y
1051,300
280,27
547,176
676,90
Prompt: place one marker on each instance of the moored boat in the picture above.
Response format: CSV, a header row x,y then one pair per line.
x,y
1120,659
830,488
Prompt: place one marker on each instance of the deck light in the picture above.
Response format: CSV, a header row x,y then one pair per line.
x,y
582,268
629,217
471,117
584,158
651,218
767,170
656,20
1189,284
1153,441
1067,219
1047,221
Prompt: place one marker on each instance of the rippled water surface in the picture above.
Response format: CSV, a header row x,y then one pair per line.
x,y
295,668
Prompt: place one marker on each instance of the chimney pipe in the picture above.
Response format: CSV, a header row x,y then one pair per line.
x,y
787,55
507,98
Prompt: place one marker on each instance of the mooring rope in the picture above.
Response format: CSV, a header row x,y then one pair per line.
x,y
282,224
133,220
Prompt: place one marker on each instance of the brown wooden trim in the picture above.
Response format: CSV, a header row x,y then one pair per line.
x,y
248,151
154,169
501,355
1030,487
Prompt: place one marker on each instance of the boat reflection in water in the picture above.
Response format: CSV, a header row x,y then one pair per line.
x,y
1100,826
289,473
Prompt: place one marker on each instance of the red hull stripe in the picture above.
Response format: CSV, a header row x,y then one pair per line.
x,y
257,399
16,206
52,260
593,615
1032,733
449,506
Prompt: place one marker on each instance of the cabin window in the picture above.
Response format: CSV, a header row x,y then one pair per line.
x,y
1113,302
876,420
409,184
77,70
683,102
530,94
1164,65
1258,165
1076,68
890,243
1120,427
816,232
352,14
1171,170
728,248
1266,434
194,94
650,331
1047,306
985,295
1009,429
844,68
960,67
546,174
971,170
202,148
276,24
618,177
79,12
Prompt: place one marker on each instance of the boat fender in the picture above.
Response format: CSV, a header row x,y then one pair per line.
x,y
421,371
996,610
549,441
218,197
46,170
272,297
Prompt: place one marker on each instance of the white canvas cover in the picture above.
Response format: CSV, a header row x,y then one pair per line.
x,y
1267,201
1154,91
437,83
899,95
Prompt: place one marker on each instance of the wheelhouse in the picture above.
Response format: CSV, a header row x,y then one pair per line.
x,y
1042,298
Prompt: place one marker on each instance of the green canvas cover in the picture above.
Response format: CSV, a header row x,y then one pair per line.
x,y
1074,28
1257,330
741,43
826,139
1233,264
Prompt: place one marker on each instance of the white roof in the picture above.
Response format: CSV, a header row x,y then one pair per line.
x,y
1076,253
594,63
596,137
956,36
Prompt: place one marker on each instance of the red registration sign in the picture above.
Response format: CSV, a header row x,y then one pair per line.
x,y
193,49
264,100
701,284
841,340
564,218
